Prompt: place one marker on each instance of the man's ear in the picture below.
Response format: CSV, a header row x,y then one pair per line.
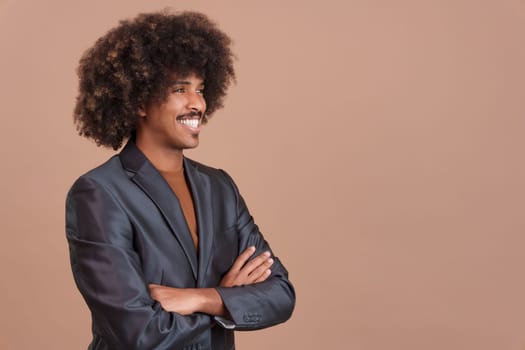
x,y
142,112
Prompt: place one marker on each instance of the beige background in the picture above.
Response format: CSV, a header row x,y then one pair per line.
x,y
378,143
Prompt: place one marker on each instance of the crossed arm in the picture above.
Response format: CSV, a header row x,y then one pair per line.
x,y
186,301
109,274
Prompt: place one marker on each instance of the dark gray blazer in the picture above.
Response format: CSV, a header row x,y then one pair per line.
x,y
126,229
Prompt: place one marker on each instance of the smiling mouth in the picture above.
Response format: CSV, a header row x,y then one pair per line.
x,y
192,119
192,123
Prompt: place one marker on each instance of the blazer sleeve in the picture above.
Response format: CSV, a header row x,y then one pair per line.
x,y
108,274
262,304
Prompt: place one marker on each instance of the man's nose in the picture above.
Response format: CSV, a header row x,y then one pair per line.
x,y
196,102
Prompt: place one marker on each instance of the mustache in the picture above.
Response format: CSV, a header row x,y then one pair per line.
x,y
191,115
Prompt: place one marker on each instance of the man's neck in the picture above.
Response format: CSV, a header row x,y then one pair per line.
x,y
164,159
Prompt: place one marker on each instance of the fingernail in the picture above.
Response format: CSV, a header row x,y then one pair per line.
x,y
270,261
252,248
267,253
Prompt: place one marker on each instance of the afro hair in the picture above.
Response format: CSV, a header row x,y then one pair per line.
x,y
131,65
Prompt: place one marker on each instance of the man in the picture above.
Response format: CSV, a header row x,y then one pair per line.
x,y
163,249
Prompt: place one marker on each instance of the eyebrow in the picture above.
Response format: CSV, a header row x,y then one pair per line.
x,y
184,82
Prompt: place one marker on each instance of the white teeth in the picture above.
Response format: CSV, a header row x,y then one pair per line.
x,y
192,123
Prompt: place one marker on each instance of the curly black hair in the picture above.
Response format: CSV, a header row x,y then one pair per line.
x,y
132,64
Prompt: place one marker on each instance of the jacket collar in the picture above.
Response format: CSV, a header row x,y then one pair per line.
x,y
200,188
149,179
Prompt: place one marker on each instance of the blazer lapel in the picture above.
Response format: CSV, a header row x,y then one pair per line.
x,y
146,176
202,198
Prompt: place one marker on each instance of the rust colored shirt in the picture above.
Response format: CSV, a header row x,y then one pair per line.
x,y
179,185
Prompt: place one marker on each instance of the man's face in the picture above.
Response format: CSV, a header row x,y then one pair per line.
x,y
175,123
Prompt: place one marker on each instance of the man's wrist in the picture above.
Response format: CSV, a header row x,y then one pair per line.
x,y
210,302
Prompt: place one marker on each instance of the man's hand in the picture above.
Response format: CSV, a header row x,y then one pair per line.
x,y
186,301
241,273
180,300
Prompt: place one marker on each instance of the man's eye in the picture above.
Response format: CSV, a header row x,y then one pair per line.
x,y
200,91
179,90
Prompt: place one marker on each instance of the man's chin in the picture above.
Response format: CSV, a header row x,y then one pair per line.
x,y
192,145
